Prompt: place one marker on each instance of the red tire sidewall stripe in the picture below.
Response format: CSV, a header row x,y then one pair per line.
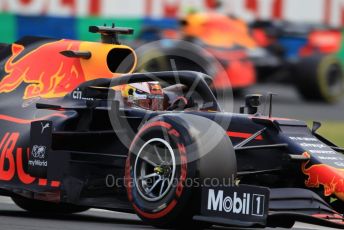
x,y
183,175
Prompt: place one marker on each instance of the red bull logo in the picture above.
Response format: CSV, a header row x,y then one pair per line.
x,y
46,72
331,178
12,162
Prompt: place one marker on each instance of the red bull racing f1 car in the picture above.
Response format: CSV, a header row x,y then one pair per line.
x,y
79,130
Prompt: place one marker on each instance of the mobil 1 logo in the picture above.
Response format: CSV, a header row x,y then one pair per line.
x,y
244,203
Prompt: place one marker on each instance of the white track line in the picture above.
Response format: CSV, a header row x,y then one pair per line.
x,y
6,200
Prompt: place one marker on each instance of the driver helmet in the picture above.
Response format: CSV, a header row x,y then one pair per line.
x,y
146,95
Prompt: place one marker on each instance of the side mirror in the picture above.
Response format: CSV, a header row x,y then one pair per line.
x,y
252,103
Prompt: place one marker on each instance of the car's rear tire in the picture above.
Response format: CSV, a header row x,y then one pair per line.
x,y
172,204
320,78
38,206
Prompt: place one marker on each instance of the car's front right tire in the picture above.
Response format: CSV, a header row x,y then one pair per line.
x,y
162,170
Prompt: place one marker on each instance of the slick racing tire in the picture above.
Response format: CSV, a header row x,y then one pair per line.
x,y
167,161
320,78
38,206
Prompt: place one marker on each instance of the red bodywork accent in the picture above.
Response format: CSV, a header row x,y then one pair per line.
x,y
325,42
42,182
261,38
7,146
243,135
15,162
27,121
23,176
237,71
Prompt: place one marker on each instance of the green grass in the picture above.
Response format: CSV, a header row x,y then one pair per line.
x,y
333,131
7,28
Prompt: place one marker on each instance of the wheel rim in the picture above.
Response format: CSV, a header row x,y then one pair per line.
x,y
154,169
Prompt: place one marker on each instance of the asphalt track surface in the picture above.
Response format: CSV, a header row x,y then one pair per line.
x,y
14,218
290,105
287,104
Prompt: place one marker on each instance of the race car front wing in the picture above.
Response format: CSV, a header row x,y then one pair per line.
x,y
252,206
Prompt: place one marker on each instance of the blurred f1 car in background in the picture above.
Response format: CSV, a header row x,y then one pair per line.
x,y
303,55
71,141
221,55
